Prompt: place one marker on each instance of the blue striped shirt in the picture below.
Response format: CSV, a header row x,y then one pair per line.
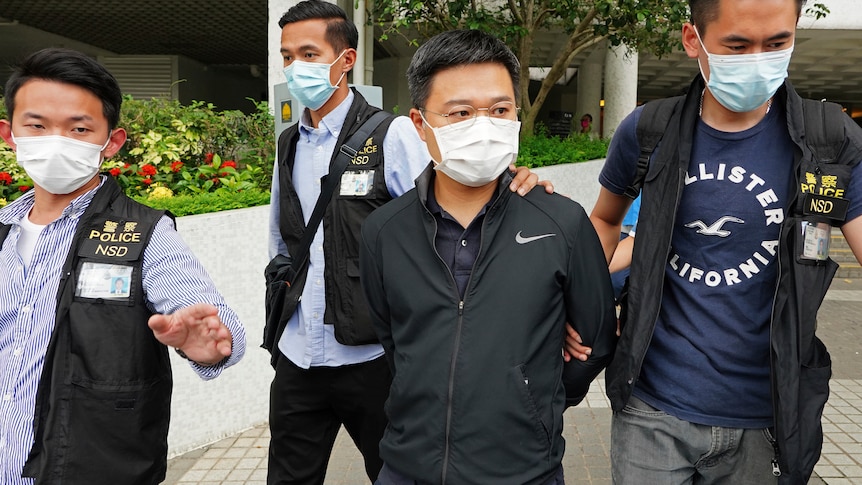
x,y
172,279
306,341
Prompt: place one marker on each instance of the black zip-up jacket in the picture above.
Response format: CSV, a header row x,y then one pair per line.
x,y
104,399
477,395
800,364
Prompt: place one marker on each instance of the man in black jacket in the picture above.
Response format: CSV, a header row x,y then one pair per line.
x,y
718,376
470,287
329,365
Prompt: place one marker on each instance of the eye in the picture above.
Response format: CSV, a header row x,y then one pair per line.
x,y
461,113
500,111
80,129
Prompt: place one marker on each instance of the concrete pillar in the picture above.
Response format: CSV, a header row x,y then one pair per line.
x,y
275,64
621,86
359,20
589,92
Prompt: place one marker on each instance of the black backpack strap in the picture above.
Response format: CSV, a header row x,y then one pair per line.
x,y
824,129
651,127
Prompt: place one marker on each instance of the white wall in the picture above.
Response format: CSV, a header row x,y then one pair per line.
x,y
232,245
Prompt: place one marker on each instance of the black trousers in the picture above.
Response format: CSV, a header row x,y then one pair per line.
x,y
307,408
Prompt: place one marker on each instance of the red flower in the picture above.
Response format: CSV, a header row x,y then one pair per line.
x,y
148,181
176,166
208,158
115,172
24,188
148,170
5,178
225,164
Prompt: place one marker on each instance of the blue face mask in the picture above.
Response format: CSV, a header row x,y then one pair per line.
x,y
308,82
744,82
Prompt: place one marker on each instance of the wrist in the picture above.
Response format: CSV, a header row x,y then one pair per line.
x,y
182,354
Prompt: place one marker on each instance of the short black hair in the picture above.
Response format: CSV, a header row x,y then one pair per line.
x,y
703,12
70,67
456,48
587,115
341,32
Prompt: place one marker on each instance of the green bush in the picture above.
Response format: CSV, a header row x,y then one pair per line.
x,y
179,150
541,150
194,159
188,204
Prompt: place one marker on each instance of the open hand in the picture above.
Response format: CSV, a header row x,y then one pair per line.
x,y
197,330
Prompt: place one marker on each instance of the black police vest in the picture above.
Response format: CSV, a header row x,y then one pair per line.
x,y
103,403
362,189
800,364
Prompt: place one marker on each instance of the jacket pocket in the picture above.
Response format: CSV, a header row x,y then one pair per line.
x,y
530,410
813,394
118,432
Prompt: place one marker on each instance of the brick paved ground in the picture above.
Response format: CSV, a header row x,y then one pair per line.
x,y
241,459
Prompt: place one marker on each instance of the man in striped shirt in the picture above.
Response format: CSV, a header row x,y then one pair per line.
x,y
85,379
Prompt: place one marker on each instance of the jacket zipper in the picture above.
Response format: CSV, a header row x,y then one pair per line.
x,y
451,392
453,362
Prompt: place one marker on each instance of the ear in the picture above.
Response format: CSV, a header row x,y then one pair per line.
x,y
118,138
418,123
690,42
348,60
6,133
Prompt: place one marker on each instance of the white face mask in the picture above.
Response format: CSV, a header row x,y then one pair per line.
x,y
475,153
59,164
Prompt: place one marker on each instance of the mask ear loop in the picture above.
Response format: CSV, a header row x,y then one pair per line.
x,y
108,141
343,73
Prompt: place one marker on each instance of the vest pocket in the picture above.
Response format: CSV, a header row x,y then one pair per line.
x,y
118,432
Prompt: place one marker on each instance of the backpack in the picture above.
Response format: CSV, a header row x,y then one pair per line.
x,y
822,121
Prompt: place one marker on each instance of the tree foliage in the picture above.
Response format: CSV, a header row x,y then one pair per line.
x,y
645,25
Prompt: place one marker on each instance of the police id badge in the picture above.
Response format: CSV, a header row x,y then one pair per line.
x,y
104,280
356,183
816,238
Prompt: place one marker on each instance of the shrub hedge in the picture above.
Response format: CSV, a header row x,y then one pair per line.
x,y
194,159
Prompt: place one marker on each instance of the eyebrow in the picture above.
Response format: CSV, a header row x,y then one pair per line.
x,y
302,48
459,102
738,38
36,116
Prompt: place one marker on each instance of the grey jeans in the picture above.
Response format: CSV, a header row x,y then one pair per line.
x,y
650,447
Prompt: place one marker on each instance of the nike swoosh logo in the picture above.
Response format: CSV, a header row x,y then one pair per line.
x,y
524,240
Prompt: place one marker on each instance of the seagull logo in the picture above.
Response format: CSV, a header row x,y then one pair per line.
x,y
716,228
524,240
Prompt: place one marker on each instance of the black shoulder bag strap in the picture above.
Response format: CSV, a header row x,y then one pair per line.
x,y
346,153
651,127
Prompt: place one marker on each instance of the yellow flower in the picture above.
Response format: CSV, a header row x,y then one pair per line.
x,y
160,193
2,202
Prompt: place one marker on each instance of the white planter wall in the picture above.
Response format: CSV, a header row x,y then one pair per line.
x,y
232,245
